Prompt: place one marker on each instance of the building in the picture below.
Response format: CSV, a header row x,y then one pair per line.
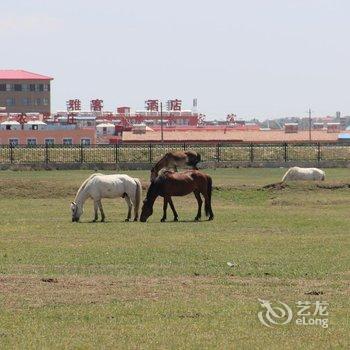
x,y
24,92
49,137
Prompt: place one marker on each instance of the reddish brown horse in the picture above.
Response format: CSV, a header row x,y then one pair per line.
x,y
170,183
175,159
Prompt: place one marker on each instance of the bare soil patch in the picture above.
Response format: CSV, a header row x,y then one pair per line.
x,y
31,291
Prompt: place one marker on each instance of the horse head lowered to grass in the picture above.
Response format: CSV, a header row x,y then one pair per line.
x,y
170,183
99,186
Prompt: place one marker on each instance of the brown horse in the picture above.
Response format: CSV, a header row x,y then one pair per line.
x,y
173,160
170,183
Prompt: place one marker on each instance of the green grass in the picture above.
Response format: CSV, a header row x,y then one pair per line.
x,y
168,285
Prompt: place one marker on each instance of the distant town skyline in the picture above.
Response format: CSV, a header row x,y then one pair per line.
x,y
257,59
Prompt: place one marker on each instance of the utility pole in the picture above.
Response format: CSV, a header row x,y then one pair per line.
x,y
161,122
309,124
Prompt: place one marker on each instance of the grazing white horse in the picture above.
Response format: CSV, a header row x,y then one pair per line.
x,y
99,186
303,174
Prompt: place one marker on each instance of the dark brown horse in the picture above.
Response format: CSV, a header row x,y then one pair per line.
x,y
173,160
170,183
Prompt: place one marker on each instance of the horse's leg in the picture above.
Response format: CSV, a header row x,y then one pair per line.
x,y
165,206
129,203
200,202
101,210
207,205
96,211
173,209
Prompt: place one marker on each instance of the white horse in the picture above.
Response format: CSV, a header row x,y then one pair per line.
x,y
99,186
304,174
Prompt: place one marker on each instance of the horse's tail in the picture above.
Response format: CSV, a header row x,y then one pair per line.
x,y
138,197
209,191
83,185
286,175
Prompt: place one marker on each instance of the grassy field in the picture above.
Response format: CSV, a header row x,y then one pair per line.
x,y
168,285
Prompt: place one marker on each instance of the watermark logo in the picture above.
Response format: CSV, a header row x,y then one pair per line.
x,y
274,315
308,313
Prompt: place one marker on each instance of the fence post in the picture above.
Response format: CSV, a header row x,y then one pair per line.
x,y
81,153
46,153
285,152
184,146
11,153
218,152
116,151
318,152
150,153
251,152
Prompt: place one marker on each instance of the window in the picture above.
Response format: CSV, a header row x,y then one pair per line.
x,y
9,87
26,101
31,142
8,127
46,87
104,130
35,127
49,142
37,101
2,87
40,87
45,101
10,101
25,87
67,141
85,142
13,142
18,87
32,87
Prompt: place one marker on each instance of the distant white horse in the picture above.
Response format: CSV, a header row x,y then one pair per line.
x,y
99,186
304,174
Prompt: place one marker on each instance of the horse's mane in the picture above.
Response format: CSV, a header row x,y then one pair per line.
x,y
159,163
162,172
83,185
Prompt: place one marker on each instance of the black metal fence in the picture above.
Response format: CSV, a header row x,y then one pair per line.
x,y
149,153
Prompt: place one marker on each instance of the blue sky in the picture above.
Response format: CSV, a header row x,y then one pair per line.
x,y
255,58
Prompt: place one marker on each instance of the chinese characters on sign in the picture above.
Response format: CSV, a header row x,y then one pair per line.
x,y
96,105
174,105
73,105
152,105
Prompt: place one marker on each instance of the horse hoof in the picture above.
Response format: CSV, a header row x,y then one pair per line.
x,y
196,219
211,218
176,219
127,220
94,220
162,220
135,219
102,220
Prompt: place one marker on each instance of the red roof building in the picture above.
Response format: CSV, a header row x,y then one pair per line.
x,y
19,74
24,92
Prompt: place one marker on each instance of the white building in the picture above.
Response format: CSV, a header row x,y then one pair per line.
x,y
10,125
105,129
35,125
